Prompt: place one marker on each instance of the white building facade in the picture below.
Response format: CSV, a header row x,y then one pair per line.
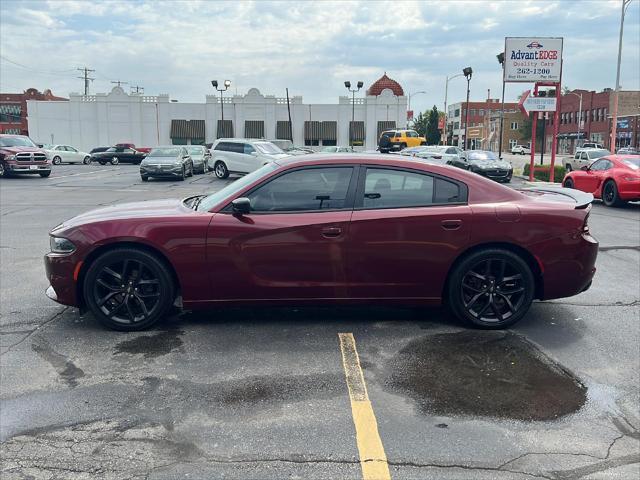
x,y
105,119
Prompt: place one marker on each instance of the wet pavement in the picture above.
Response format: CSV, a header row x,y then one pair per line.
x,y
261,393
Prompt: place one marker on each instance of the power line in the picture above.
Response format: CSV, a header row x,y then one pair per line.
x,y
60,73
86,78
137,89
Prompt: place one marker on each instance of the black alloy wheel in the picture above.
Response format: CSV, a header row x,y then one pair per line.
x,y
568,183
221,170
128,289
491,289
610,196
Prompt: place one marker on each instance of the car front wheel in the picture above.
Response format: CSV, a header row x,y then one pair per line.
x,y
128,289
86,160
568,183
115,161
610,195
491,289
221,170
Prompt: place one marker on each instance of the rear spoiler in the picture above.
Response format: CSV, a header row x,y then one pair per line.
x,y
582,199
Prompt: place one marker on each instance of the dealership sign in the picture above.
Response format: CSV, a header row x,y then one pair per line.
x,y
532,59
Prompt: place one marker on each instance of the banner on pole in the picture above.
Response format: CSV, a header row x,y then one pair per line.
x,y
532,59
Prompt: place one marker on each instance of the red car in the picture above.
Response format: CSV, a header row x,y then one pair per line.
x,y
329,229
614,178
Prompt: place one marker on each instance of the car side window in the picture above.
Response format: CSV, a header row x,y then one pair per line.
x,y
412,134
307,189
222,147
71,149
248,149
396,189
451,151
577,156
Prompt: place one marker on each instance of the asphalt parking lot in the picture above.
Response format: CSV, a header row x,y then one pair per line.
x,y
271,392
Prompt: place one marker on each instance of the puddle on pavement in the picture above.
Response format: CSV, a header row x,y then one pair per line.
x,y
488,374
151,346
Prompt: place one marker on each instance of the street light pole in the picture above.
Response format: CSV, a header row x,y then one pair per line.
x,y
227,84
411,95
353,107
579,95
500,57
614,113
467,72
446,94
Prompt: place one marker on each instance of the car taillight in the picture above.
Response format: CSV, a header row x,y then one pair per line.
x,y
585,225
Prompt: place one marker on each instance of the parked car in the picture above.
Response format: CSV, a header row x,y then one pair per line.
x,y
399,139
329,229
521,150
98,150
412,151
66,153
615,179
583,158
628,151
200,156
288,147
336,149
169,161
485,163
441,153
242,156
131,145
115,155
591,145
19,154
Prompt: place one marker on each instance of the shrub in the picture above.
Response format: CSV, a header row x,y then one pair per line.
x,y
542,173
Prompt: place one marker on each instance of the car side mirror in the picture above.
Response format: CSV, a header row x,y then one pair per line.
x,y
241,206
585,168
254,153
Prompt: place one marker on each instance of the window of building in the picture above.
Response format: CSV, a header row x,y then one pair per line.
x,y
457,114
481,112
304,190
472,112
512,143
10,113
456,125
514,125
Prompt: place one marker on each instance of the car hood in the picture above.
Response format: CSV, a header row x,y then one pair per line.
x,y
152,208
276,156
484,164
14,150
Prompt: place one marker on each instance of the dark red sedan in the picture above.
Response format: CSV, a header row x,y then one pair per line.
x,y
329,229
615,179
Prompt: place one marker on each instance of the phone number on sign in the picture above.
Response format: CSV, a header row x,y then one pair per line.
x,y
533,71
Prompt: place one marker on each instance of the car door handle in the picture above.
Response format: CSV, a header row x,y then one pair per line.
x,y
331,232
451,224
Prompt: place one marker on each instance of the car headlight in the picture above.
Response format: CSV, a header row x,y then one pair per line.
x,y
61,245
10,157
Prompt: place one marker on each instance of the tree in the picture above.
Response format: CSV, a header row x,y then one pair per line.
x,y
525,130
433,133
420,124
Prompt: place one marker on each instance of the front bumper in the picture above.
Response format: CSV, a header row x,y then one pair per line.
x,y
60,271
161,170
495,174
27,167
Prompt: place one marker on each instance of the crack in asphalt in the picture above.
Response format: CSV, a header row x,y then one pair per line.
x,y
574,304
619,247
39,327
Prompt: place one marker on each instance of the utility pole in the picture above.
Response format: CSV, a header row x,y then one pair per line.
x,y
86,78
614,114
118,82
137,89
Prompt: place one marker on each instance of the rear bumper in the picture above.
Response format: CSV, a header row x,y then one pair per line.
x,y
629,191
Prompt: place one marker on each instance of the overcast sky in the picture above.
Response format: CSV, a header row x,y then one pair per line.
x,y
310,47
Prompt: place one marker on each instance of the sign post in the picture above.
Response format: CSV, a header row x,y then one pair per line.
x,y
536,60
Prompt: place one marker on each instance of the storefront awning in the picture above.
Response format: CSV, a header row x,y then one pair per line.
x,y
385,125
282,130
329,130
254,129
312,130
225,130
356,130
187,129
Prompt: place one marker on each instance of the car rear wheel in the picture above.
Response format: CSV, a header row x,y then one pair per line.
x,y
221,170
610,196
115,161
145,178
128,289
491,289
56,160
568,183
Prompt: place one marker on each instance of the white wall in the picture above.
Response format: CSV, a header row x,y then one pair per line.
x,y
106,119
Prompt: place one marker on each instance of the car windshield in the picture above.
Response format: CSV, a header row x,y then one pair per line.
x,y
329,149
598,154
16,142
481,156
435,148
164,152
632,162
195,150
215,198
268,148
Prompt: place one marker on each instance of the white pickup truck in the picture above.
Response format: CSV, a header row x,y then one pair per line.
x,y
583,158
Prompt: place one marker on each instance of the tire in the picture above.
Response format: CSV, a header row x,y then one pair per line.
x,y
568,183
143,298
610,195
221,171
3,172
56,160
115,161
481,275
403,146
102,163
144,178
190,174
86,160
568,167
45,174
183,175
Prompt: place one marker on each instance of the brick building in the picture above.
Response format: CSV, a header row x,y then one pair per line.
x,y
511,135
13,109
456,115
594,124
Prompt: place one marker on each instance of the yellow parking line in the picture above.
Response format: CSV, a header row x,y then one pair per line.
x,y
373,460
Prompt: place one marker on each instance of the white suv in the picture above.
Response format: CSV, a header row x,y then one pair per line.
x,y
242,156
520,149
